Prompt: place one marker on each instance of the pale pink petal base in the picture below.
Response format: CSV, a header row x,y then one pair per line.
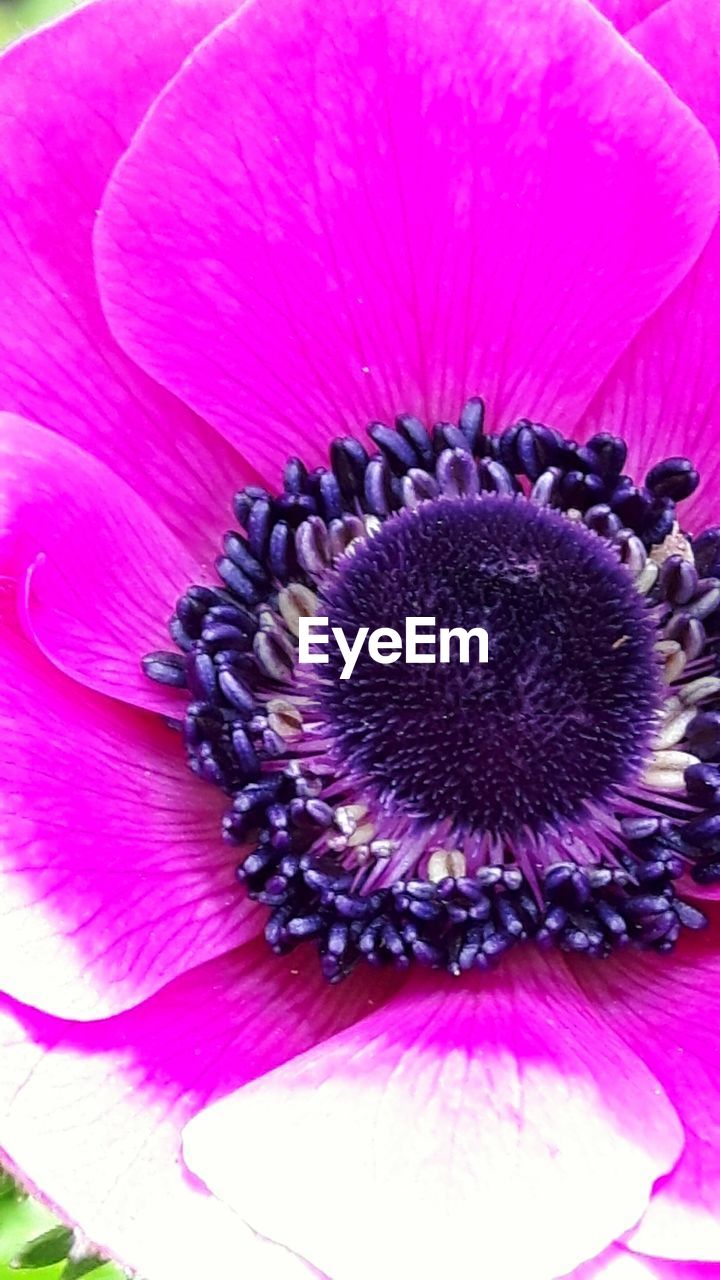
x,y
500,1120
92,1114
668,1011
618,1263
433,201
114,874
71,98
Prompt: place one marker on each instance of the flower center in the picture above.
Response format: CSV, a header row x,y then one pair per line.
x,y
566,791
561,712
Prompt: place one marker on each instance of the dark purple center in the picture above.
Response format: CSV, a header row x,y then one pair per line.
x,y
561,712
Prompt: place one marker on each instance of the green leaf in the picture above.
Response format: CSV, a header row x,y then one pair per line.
x,y
77,1267
21,1219
7,1185
52,1246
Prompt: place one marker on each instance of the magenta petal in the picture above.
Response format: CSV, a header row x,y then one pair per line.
x,y
669,1013
664,393
114,874
433,201
92,1114
70,100
99,572
625,13
499,1120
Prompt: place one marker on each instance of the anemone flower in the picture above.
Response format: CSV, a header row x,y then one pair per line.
x,y
413,973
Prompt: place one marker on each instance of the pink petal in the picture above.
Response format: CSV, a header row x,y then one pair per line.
x,y
668,1011
625,13
114,874
101,572
92,1114
701,891
490,1121
433,201
616,1263
664,393
70,101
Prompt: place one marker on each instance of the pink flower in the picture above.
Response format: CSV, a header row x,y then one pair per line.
x,y
233,237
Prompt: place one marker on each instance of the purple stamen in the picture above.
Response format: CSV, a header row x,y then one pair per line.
x,y
442,815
